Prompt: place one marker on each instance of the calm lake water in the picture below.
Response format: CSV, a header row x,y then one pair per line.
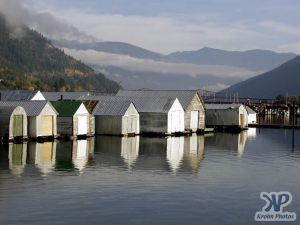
x,y
216,179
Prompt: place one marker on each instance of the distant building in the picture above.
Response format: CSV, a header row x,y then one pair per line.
x,y
252,115
226,116
21,95
191,101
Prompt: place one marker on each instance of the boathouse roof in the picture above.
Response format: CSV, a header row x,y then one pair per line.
x,y
112,107
184,96
66,108
142,104
18,95
32,108
250,111
55,96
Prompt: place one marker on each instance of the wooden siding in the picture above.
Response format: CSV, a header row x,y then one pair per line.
x,y
65,125
222,117
244,116
109,125
153,123
91,131
195,105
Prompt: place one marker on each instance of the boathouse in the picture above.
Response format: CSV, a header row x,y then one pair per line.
x,y
191,101
21,95
73,119
252,115
226,116
164,116
41,117
13,123
159,115
113,117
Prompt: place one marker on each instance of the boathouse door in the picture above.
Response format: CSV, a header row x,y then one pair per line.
x,y
175,121
82,125
194,120
130,124
18,126
47,125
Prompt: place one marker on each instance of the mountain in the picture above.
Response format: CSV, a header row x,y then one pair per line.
x,y
30,61
256,60
282,80
207,68
252,59
110,47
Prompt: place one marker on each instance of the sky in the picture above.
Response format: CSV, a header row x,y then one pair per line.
x,y
167,26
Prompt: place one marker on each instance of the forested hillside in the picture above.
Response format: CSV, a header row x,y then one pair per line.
x,y
29,61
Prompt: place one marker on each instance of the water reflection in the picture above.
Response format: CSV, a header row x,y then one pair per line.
x,y
130,150
194,152
117,151
17,155
80,154
251,133
175,154
175,150
229,141
74,155
42,155
278,119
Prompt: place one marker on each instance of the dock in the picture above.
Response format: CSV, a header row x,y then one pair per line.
x,y
275,126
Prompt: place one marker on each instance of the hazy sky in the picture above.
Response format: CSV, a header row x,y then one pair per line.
x,y
171,25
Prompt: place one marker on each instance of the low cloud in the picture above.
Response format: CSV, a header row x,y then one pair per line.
x,y
215,88
141,65
16,14
168,34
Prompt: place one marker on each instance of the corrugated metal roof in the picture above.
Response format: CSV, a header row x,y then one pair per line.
x,y
54,96
184,96
66,108
32,108
7,110
111,107
142,104
17,95
250,111
223,106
